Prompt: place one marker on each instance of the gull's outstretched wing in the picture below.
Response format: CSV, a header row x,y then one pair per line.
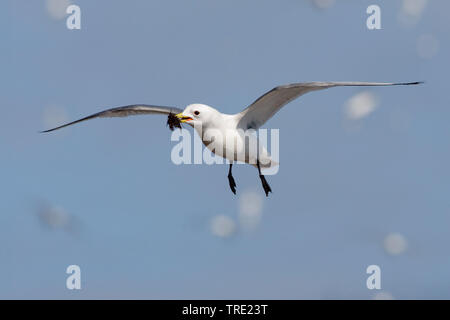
x,y
135,109
268,104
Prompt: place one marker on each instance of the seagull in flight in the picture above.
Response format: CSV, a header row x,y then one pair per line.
x,y
203,118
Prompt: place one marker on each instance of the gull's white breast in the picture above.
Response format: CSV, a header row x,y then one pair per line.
x,y
223,138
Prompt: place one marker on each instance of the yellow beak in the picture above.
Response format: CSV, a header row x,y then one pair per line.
x,y
183,118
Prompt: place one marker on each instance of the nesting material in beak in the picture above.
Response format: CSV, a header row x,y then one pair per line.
x,y
173,121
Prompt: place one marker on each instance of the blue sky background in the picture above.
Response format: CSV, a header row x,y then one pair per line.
x,y
139,226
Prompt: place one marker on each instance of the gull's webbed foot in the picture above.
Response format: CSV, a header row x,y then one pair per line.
x,y
265,185
231,180
232,183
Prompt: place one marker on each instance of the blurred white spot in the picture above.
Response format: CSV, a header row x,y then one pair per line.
x,y
411,12
54,116
414,7
360,105
222,226
54,217
383,295
323,4
395,244
427,46
57,8
250,209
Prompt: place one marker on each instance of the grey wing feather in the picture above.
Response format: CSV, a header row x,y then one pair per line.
x,y
268,104
125,111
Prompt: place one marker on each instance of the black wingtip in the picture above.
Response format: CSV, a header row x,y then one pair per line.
x,y
49,130
410,83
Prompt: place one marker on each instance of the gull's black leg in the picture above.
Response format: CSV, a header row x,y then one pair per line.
x,y
231,180
263,180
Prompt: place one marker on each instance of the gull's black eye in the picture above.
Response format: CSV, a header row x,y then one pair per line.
x,y
196,112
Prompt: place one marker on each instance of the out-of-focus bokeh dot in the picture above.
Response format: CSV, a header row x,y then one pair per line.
x,y
54,217
222,226
323,4
57,8
411,12
395,243
361,105
250,209
427,46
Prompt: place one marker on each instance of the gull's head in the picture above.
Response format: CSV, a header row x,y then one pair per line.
x,y
195,114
